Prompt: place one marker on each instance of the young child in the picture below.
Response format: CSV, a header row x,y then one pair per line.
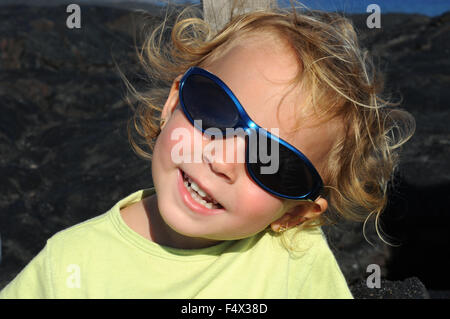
x,y
220,228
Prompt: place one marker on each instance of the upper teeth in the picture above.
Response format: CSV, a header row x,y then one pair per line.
x,y
196,188
195,191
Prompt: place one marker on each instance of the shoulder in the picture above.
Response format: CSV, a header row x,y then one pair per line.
x,y
313,271
52,264
99,227
87,247
94,239
81,233
324,278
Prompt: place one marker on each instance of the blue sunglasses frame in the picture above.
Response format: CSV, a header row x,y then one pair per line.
x,y
250,127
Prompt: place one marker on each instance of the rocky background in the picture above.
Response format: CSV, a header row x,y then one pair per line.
x,y
65,157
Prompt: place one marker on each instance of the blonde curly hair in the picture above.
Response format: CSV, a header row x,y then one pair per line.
x,y
336,72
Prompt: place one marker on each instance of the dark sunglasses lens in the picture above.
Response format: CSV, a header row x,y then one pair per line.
x,y
205,100
292,178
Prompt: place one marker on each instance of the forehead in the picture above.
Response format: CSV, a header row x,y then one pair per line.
x,y
258,71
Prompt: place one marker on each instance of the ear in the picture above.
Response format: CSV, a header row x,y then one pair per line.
x,y
171,102
299,213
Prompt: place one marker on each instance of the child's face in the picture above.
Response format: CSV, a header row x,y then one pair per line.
x,y
257,72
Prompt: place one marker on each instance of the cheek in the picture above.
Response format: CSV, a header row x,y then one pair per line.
x,y
174,144
260,205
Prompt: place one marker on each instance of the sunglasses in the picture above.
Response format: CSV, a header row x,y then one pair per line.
x,y
203,96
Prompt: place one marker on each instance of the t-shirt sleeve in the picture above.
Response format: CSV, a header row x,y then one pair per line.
x,y
33,282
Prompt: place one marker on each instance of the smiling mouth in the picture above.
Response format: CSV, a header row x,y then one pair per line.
x,y
198,194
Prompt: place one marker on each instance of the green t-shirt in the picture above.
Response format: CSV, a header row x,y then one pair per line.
x,y
104,258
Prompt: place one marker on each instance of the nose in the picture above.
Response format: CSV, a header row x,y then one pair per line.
x,y
225,165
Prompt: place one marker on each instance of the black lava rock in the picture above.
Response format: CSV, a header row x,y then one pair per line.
x,y
410,288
